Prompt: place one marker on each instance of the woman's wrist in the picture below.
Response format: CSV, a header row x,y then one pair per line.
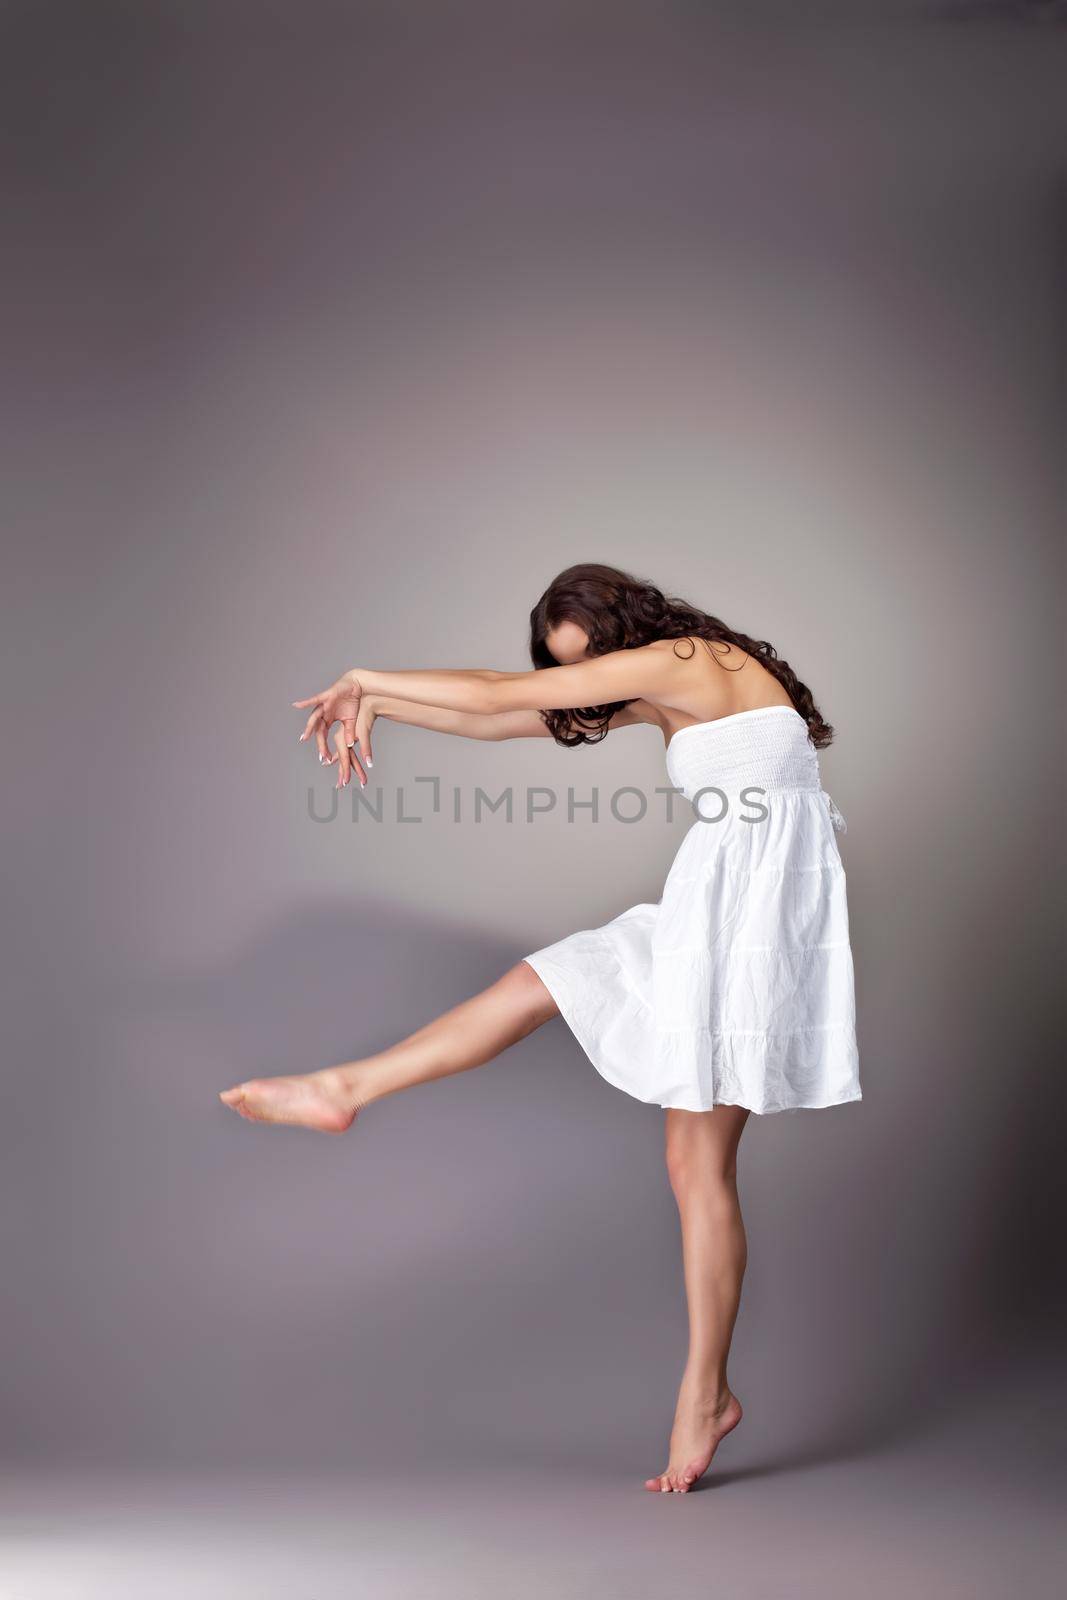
x,y
361,680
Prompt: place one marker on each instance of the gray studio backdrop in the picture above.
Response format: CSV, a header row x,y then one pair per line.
x,y
335,333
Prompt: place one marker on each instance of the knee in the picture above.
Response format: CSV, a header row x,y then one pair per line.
x,y
691,1165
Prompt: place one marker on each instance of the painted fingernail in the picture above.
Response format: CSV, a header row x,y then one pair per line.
x,y
370,763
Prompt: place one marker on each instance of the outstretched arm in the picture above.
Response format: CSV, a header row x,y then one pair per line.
x,y
467,724
483,704
621,675
472,725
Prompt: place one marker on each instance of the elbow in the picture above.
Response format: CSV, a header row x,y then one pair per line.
x,y
508,691
492,699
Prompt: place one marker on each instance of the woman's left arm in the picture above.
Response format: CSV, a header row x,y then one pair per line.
x,y
622,675
647,670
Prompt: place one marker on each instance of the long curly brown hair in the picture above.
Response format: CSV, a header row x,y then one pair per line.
x,y
619,612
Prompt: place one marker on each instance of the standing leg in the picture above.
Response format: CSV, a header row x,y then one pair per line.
x,y
467,1036
702,1163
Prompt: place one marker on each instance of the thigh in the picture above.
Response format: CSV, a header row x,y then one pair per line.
x,y
501,1015
522,988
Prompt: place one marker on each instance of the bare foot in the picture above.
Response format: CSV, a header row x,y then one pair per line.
x,y
701,1421
317,1100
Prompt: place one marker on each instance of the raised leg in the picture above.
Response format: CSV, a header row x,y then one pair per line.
x,y
702,1164
469,1035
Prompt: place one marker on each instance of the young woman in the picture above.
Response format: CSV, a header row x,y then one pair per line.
x,y
734,994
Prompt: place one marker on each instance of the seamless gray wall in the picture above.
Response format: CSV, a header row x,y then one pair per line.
x,y
335,333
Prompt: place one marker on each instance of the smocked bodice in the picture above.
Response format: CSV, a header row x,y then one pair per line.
x,y
767,749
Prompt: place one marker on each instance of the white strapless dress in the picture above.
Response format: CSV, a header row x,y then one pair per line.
x,y
736,988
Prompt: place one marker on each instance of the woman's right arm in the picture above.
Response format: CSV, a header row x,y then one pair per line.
x,y
467,724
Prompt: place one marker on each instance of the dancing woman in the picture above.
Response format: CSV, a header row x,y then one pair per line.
x,y
733,994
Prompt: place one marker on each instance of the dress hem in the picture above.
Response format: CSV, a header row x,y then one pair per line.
x,y
555,983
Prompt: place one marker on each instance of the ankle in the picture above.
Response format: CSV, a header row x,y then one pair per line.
x,y
348,1083
708,1390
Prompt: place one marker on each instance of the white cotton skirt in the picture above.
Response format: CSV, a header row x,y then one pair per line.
x,y
737,987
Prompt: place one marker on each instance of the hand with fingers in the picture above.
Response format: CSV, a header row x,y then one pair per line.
x,y
345,703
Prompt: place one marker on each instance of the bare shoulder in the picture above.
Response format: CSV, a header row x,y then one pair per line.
x,y
694,647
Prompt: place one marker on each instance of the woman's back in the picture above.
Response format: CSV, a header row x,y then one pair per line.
x,y
715,680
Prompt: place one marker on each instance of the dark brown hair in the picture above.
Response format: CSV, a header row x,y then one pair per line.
x,y
620,612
